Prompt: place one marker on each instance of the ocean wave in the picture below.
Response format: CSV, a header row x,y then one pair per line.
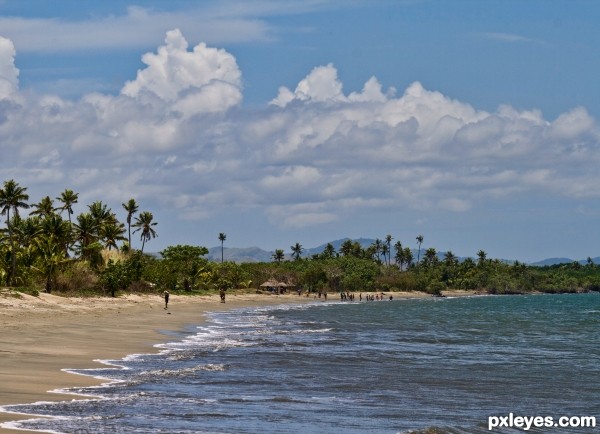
x,y
182,372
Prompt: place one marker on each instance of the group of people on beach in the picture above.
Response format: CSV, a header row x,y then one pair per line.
x,y
348,296
375,297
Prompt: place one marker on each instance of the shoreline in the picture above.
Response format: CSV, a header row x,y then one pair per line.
x,y
44,336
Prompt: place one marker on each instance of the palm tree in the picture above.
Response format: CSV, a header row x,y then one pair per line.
x,y
68,198
55,228
222,238
419,241
112,232
296,251
377,247
12,197
399,254
408,257
50,259
101,213
131,207
346,248
278,255
482,256
44,207
144,223
86,230
329,251
388,240
27,230
430,257
385,251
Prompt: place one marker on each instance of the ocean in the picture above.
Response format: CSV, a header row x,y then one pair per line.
x,y
427,366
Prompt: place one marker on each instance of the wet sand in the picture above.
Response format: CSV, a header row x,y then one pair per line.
x,y
43,335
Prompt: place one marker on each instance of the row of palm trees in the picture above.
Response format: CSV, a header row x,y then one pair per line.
x,y
381,252
44,240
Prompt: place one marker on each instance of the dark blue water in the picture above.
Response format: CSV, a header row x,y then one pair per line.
x,y
429,365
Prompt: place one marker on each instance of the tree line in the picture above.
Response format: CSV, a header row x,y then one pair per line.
x,y
383,266
51,239
92,253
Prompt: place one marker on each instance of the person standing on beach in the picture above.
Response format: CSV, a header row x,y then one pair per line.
x,y
166,299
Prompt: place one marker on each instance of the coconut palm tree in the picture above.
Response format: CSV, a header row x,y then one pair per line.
x,y
385,251
388,241
50,259
44,207
144,223
408,257
27,230
399,254
86,232
329,251
296,251
278,255
68,198
377,248
54,227
430,258
12,197
131,207
346,248
101,213
222,238
111,233
482,256
419,241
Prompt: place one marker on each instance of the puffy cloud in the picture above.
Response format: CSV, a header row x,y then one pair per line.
x,y
312,157
322,84
9,74
573,125
198,81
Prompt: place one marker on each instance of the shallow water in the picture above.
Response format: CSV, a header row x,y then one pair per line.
x,y
426,365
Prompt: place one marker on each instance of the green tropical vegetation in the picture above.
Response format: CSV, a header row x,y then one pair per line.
x,y
93,253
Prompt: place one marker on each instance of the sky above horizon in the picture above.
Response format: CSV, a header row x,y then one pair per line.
x,y
472,123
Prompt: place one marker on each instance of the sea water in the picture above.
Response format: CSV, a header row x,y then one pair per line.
x,y
439,365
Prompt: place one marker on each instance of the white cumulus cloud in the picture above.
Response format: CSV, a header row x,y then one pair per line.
x,y
202,80
9,74
179,138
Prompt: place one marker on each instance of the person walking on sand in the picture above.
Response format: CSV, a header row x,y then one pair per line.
x,y
166,299
222,294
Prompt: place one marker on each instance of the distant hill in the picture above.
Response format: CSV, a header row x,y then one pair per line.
x,y
364,242
235,254
556,261
256,254
552,261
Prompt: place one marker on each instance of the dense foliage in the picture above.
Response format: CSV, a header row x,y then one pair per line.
x,y
91,253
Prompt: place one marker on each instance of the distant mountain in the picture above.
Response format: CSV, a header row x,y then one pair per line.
x,y
556,261
552,261
234,254
364,242
256,254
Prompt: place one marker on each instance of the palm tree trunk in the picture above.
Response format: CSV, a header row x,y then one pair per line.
x,y
13,254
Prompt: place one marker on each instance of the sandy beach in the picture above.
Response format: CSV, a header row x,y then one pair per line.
x,y
43,335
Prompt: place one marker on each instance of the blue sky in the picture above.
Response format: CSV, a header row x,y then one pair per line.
x,y
473,123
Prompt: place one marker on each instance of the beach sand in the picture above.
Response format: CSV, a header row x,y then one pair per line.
x,y
43,335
